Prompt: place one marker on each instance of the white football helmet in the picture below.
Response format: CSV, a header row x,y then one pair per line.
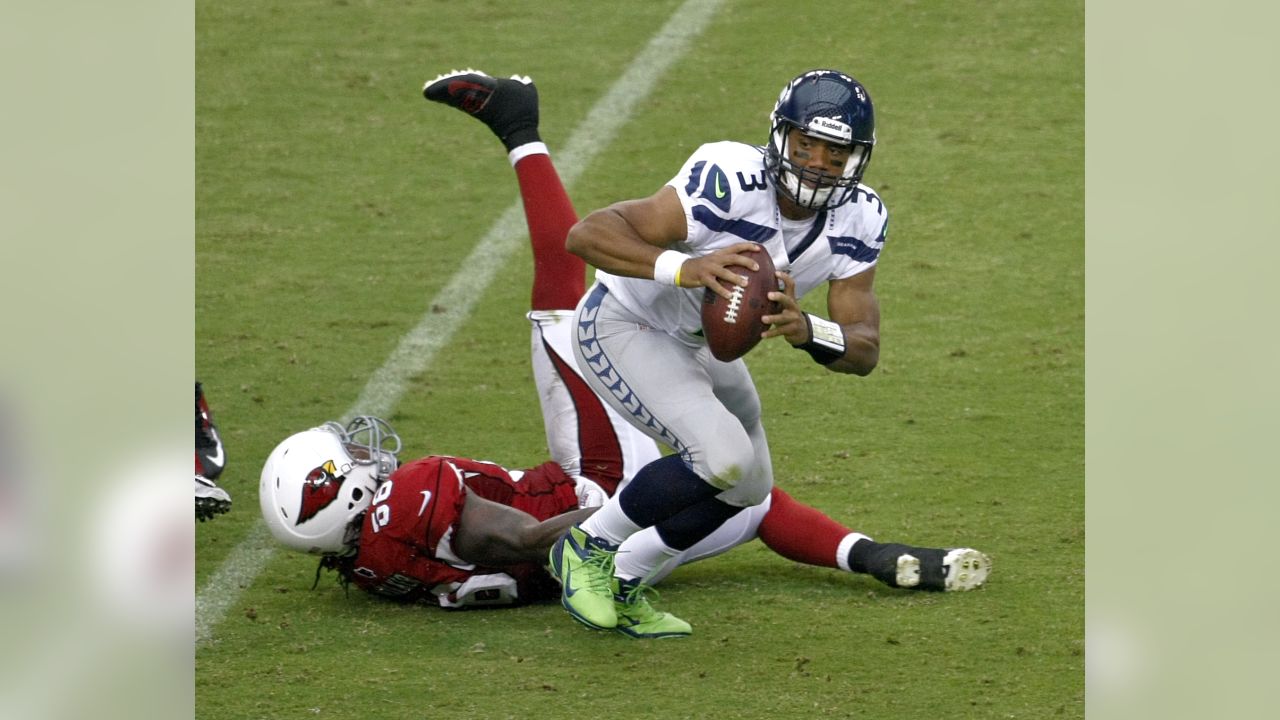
x,y
316,485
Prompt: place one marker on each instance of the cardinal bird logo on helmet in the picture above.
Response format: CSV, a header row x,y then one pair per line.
x,y
320,490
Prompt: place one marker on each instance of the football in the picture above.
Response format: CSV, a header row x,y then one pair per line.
x,y
733,327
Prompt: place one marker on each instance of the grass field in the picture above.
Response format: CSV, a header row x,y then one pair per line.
x,y
333,204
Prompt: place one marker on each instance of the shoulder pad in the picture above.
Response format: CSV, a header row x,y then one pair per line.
x,y
719,172
865,196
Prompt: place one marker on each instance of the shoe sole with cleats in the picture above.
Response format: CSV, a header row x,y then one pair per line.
x,y
964,569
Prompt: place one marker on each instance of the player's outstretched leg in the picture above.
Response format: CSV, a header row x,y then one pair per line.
x,y
937,569
583,565
805,534
638,619
509,106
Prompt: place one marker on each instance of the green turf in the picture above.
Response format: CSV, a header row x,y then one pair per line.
x,y
333,203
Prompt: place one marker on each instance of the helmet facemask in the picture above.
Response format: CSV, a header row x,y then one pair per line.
x,y
370,441
810,188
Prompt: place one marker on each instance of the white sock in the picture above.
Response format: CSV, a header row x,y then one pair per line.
x,y
519,153
643,555
842,551
610,524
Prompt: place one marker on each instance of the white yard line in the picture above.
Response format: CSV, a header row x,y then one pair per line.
x,y
418,348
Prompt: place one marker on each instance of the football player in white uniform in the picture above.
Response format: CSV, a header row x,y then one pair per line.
x,y
800,199
444,543
469,533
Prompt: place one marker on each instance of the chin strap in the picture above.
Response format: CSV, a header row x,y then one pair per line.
x,y
339,564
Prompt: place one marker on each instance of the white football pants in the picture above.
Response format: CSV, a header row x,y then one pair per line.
x,y
677,394
562,413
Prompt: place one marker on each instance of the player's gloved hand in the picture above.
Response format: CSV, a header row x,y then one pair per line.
x,y
589,493
481,591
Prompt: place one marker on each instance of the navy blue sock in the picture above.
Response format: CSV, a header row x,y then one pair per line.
x,y
682,530
661,489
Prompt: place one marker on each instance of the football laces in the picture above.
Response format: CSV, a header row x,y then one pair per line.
x,y
731,312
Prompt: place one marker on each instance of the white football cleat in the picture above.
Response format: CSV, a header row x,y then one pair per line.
x,y
210,499
966,569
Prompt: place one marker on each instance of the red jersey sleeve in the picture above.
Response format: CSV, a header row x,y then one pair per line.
x,y
543,492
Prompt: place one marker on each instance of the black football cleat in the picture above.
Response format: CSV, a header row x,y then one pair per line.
x,y
949,570
509,106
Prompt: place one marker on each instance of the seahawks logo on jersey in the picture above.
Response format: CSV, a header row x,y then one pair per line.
x,y
715,186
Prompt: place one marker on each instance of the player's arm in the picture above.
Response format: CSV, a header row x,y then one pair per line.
x,y
492,534
631,238
848,342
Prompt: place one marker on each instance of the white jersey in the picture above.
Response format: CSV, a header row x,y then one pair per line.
x,y
727,199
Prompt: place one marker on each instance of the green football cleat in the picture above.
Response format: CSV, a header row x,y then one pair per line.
x,y
583,565
637,618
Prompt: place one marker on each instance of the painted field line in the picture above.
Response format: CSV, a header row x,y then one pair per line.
x,y
418,348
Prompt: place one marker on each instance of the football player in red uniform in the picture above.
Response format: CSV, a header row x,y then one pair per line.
x,y
471,533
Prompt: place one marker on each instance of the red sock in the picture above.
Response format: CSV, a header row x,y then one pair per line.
x,y
801,533
559,277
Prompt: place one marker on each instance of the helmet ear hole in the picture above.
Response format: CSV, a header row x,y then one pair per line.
x,y
356,494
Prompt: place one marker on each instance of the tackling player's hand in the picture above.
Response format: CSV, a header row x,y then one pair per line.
x,y
589,493
705,270
789,321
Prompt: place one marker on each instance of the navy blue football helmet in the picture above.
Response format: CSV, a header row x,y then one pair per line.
x,y
832,106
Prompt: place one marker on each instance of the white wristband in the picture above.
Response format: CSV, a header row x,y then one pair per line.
x,y
825,333
826,340
667,267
